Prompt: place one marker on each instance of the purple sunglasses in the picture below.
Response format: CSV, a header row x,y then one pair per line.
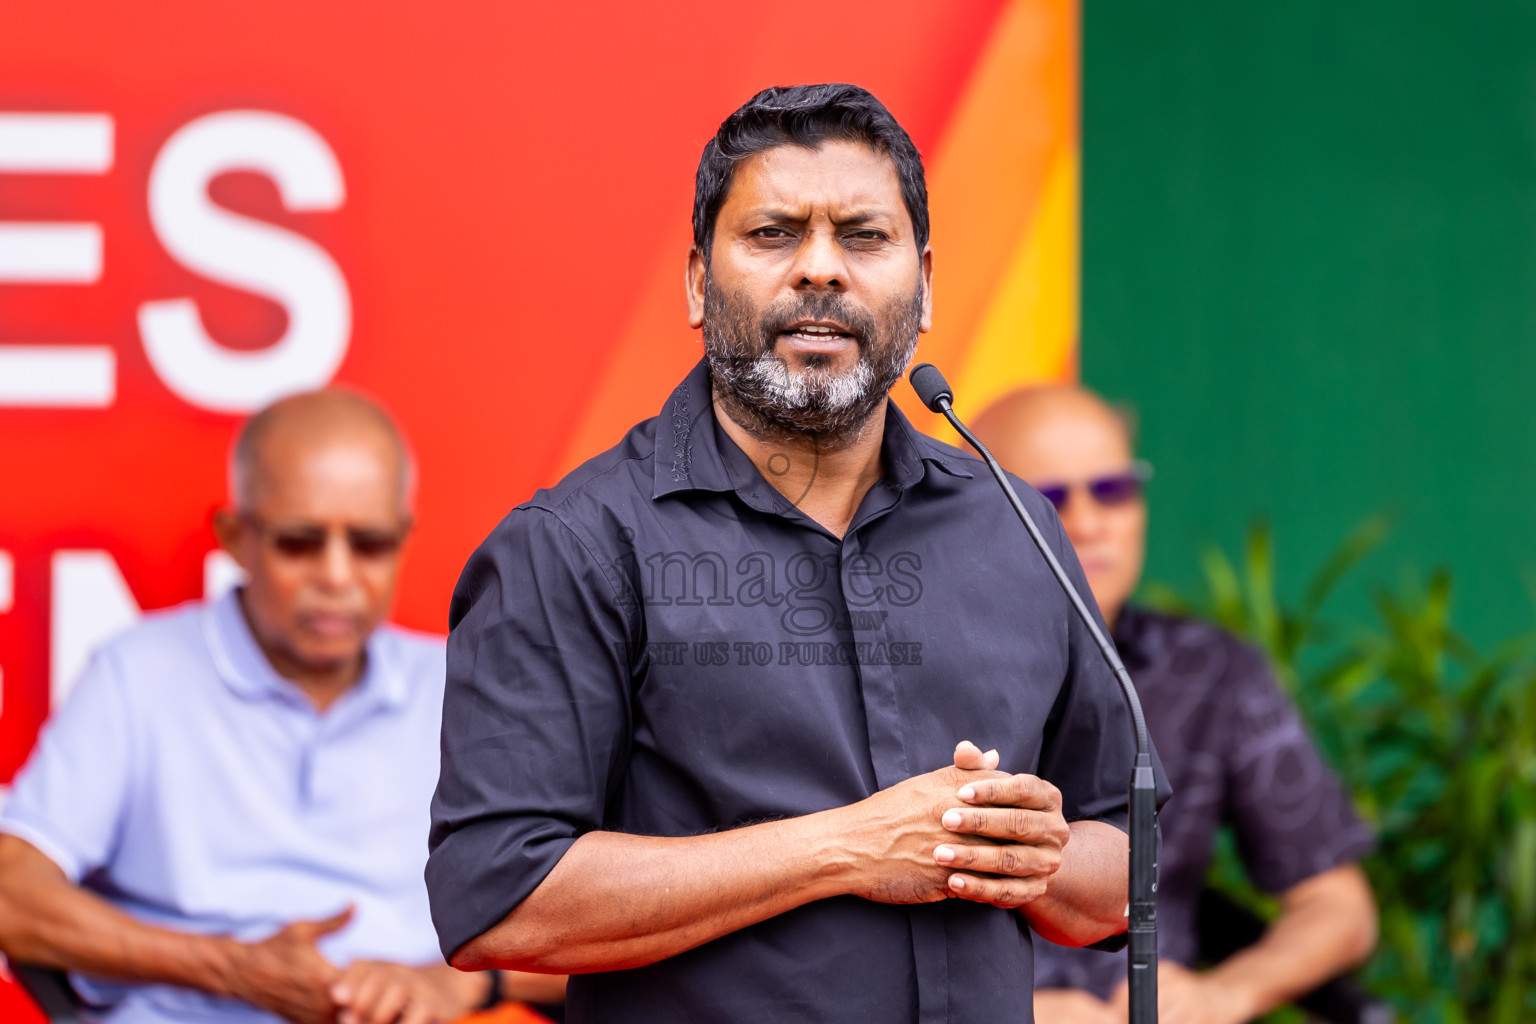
x,y
1112,489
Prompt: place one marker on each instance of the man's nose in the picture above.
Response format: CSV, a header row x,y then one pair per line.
x,y
1082,517
336,565
820,263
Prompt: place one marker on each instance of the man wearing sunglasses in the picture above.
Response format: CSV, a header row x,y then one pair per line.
x,y
1233,747
227,820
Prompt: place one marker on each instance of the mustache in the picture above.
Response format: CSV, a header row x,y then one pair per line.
x,y
770,400
830,306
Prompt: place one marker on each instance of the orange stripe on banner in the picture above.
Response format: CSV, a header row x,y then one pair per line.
x,y
653,354
1029,333
1005,267
1018,116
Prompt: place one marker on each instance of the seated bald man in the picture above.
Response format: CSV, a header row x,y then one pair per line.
x,y
227,820
1233,746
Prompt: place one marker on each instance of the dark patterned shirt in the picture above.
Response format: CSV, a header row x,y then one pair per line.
x,y
1236,753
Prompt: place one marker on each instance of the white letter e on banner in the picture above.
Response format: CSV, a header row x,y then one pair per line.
x,y
247,254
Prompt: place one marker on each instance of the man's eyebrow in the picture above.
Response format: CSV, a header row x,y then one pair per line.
x,y
861,216
775,213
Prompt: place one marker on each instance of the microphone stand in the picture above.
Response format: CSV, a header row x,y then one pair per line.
x,y
1141,963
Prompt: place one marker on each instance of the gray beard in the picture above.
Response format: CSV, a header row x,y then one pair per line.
x,y
775,403
811,388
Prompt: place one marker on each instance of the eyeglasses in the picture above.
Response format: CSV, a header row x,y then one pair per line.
x,y
1110,490
304,540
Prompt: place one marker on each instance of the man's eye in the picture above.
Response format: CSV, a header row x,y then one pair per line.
x,y
298,544
867,237
771,234
368,544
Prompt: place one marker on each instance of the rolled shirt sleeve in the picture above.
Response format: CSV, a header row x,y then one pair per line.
x,y
69,799
536,719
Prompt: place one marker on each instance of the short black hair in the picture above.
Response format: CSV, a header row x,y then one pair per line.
x,y
805,115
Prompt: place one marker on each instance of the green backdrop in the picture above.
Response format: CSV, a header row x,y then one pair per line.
x,y
1309,244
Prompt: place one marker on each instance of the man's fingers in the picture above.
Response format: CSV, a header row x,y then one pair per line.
x,y
970,757
349,985
1028,791
419,1013
392,1000
313,930
367,985
1014,824
344,988
1010,859
1000,892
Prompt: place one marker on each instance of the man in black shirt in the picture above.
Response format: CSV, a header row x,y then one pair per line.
x,y
705,695
1235,751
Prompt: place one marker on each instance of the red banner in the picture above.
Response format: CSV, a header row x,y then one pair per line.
x,y
476,213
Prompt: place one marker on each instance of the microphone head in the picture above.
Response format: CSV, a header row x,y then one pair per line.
x,y
930,385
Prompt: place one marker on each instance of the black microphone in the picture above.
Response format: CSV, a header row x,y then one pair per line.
x,y
1141,967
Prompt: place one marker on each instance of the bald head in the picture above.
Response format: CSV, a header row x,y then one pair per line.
x,y
288,430
1046,432
1070,441
320,488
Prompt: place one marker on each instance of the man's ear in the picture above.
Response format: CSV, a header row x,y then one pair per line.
x,y
698,269
925,324
229,530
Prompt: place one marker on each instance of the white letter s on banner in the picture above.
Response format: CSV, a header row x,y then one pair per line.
x,y
247,254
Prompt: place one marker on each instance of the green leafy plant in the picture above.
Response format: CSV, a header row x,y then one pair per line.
x,y
1437,742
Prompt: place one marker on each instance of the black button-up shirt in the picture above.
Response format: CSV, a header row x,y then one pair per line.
x,y
663,644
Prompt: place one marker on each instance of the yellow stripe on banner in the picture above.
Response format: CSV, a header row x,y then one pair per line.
x,y
999,254
1029,333
1003,195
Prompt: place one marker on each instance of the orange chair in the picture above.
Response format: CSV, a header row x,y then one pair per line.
x,y
506,1013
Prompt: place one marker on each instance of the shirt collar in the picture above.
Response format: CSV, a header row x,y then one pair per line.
x,y
244,668
908,452
694,454
688,454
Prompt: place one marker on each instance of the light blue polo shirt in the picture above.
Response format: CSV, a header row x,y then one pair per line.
x,y
193,787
